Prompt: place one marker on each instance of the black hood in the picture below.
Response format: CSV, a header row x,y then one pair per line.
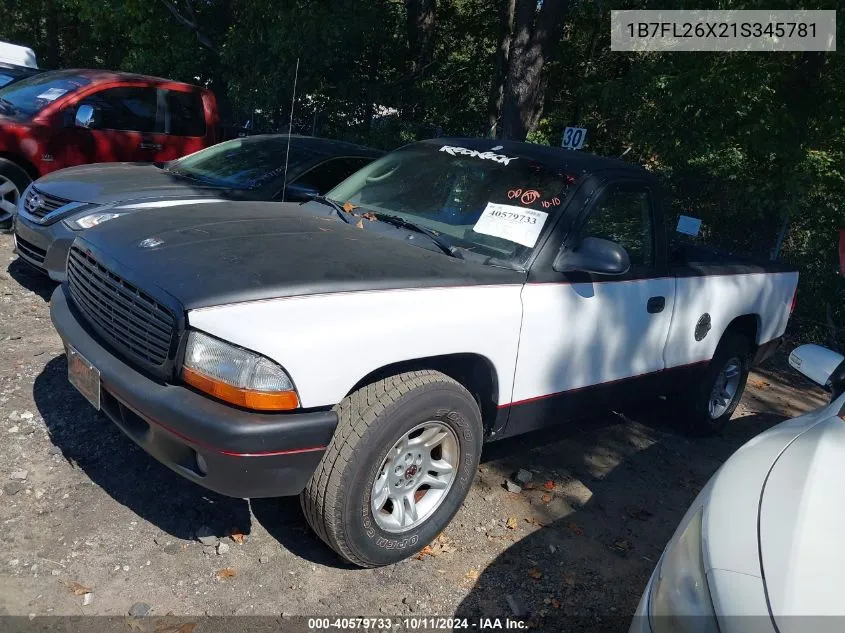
x,y
120,182
228,252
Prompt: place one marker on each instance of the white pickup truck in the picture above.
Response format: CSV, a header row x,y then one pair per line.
x,y
360,348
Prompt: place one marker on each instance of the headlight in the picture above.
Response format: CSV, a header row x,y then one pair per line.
x,y
236,375
680,599
91,220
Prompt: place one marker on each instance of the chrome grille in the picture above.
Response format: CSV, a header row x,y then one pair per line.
x,y
132,320
30,251
38,204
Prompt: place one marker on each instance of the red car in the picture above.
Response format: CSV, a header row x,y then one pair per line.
x,y
63,118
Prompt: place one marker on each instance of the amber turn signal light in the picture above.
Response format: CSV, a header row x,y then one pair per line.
x,y
246,398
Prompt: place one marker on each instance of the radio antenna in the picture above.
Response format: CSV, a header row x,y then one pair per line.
x,y
290,129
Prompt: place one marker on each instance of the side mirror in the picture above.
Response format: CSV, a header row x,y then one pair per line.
x,y
84,116
594,255
300,192
821,365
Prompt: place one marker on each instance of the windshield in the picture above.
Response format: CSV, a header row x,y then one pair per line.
x,y
243,163
486,203
25,98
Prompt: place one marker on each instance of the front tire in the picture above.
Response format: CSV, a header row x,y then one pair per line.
x,y
13,181
400,465
715,399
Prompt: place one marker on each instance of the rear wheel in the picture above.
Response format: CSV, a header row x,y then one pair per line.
x,y
13,181
398,468
716,397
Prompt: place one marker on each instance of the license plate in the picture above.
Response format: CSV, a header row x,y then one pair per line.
x,y
84,376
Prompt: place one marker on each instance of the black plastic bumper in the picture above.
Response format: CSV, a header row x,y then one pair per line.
x,y
246,454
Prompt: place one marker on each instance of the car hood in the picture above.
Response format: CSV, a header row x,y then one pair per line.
x,y
228,252
117,182
802,515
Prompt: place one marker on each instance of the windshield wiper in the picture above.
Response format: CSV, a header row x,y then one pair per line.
x,y
8,105
442,244
334,205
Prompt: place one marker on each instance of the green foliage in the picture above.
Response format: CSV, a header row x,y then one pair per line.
x,y
752,143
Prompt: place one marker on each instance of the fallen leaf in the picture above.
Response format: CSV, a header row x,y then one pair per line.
x,y
369,215
77,589
636,512
443,545
226,572
425,551
511,523
535,573
546,498
134,624
349,207
549,485
237,536
622,545
576,529
472,574
359,224
555,603
536,522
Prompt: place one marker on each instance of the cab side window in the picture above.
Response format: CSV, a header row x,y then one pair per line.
x,y
130,109
186,116
623,215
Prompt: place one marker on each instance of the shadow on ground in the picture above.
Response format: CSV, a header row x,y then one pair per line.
x,y
631,462
31,279
91,442
640,479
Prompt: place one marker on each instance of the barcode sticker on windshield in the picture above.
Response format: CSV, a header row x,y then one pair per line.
x,y
51,94
515,224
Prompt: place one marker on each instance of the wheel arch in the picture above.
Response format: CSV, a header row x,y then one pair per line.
x,y
474,371
746,325
21,162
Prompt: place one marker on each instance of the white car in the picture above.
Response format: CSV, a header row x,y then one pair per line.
x,y
764,536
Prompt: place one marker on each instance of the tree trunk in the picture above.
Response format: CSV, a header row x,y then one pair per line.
x,y
51,32
187,18
420,25
536,34
500,67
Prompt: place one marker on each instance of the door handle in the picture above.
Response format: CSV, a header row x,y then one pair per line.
x,y
656,304
150,146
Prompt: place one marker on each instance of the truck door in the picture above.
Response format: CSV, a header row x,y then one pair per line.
x,y
588,339
123,120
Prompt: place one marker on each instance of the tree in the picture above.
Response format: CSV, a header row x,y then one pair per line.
x,y
537,30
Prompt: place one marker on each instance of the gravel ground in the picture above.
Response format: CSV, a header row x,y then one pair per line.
x,y
83,511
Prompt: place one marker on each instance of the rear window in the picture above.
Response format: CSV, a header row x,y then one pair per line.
x,y
187,117
25,98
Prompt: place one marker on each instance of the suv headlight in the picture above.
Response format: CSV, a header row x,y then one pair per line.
x,y
236,375
680,599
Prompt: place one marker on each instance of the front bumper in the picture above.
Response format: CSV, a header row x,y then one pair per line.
x,y
246,454
44,246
